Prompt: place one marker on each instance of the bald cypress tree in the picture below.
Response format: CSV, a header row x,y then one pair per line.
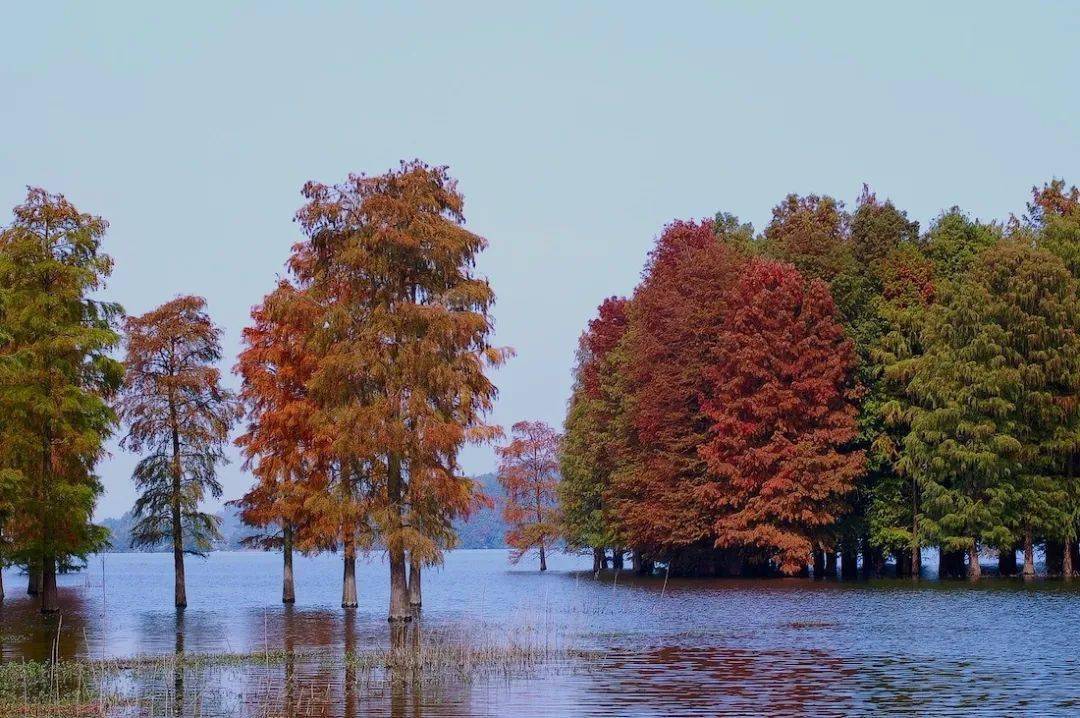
x,y
179,415
56,381
994,417
403,346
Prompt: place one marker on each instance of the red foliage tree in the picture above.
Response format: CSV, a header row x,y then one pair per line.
x,y
779,400
675,315
529,472
602,335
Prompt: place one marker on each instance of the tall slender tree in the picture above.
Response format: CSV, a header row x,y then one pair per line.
x,y
282,445
529,472
595,417
56,382
403,342
179,415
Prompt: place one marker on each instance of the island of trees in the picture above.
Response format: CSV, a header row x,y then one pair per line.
x,y
841,388
839,385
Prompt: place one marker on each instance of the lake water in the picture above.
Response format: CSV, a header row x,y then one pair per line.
x,y
694,647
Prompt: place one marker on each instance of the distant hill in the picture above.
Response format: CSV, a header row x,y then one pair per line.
x,y
485,529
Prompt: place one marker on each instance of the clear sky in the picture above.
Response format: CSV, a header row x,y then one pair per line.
x,y
576,131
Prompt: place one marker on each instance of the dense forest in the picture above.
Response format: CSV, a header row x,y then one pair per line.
x,y
841,384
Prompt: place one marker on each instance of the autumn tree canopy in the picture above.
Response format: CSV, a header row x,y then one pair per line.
x,y
57,380
403,342
529,473
179,417
782,416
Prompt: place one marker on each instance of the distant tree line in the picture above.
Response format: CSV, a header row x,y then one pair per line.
x,y
840,384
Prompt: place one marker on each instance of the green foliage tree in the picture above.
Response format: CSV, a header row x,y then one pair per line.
x,y
994,413
56,381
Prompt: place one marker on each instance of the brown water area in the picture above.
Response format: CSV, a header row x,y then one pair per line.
x,y
612,645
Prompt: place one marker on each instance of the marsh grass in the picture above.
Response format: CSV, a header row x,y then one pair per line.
x,y
181,683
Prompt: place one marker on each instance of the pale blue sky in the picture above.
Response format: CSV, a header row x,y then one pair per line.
x,y
576,131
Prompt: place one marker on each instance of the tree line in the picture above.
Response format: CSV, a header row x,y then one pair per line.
x,y
363,373
841,384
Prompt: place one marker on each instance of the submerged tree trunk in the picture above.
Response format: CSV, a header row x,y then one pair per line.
x,y
597,560
849,561
830,564
415,591
974,570
399,589
288,590
1029,555
873,559
1055,557
1007,561
33,578
180,588
48,585
903,564
348,585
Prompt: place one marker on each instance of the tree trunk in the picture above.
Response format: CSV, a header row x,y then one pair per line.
x,y
974,570
606,559
288,590
33,578
399,589
1,584
616,558
48,585
950,564
903,564
1029,555
916,563
819,564
348,584
873,560
1007,561
1055,557
177,526
1066,564
543,559
597,560
415,593
849,562
830,565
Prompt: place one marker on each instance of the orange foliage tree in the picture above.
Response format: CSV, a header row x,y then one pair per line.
x,y
780,402
282,445
178,412
403,344
529,472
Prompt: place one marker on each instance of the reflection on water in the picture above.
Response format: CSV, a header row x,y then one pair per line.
x,y
692,648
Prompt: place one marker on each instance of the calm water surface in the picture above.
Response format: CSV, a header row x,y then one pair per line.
x,y
702,647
